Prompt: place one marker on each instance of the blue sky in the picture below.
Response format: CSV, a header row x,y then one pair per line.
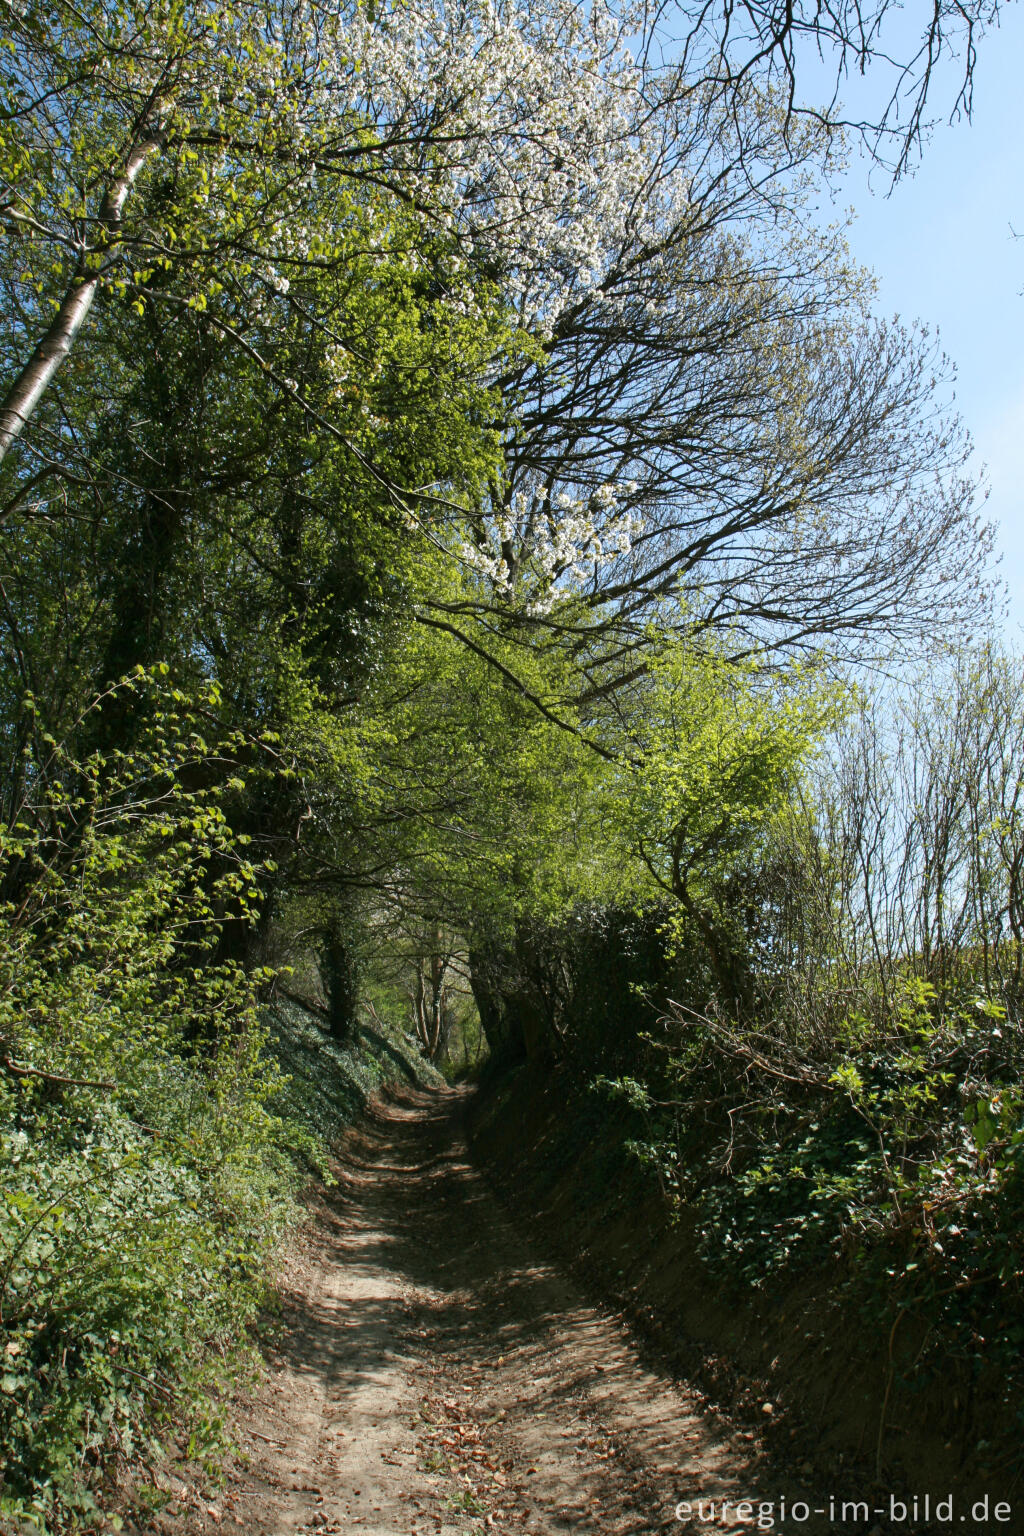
x,y
942,248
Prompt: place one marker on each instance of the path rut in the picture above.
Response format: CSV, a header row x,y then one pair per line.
x,y
434,1375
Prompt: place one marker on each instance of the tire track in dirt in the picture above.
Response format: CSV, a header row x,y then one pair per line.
x,y
431,1375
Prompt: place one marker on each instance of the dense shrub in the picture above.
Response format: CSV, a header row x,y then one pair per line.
x,y
586,989
150,1141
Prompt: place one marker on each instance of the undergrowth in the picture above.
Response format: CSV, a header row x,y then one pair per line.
x,y
157,1118
888,1155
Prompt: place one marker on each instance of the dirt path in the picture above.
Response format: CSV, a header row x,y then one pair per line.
x,y
433,1376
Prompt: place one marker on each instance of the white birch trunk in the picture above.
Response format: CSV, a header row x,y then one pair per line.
x,y
36,376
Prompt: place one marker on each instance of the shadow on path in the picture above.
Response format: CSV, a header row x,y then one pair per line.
x,y
432,1374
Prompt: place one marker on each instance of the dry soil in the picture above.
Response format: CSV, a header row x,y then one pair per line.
x,y
431,1374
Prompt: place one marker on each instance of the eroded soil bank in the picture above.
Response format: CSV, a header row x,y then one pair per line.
x,y
852,1416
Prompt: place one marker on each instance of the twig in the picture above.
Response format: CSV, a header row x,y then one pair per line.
x,y
885,1400
371,1010
148,1381
256,1434
16,1069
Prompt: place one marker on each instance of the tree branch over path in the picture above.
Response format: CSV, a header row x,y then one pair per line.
x,y
516,683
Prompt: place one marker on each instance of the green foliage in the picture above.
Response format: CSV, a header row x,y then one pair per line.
x,y
151,1140
816,1053
141,1187
717,739
716,742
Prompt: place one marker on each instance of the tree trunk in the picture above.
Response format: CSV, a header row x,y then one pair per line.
x,y
35,378
501,1026
341,983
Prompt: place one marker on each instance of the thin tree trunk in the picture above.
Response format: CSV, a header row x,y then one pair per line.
x,y
37,375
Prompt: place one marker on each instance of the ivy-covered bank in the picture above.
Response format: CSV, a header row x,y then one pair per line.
x,y
135,1261
160,1112
829,1220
